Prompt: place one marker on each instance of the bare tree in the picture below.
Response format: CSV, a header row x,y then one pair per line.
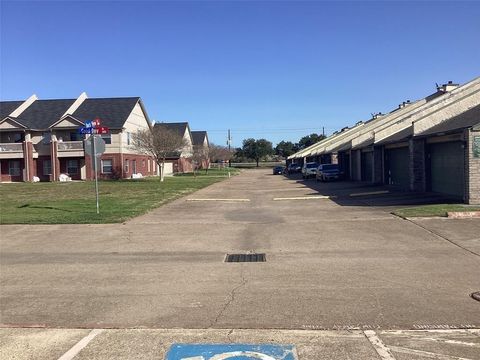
x,y
219,153
160,143
200,158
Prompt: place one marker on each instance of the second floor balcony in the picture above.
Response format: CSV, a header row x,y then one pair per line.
x,y
11,150
70,148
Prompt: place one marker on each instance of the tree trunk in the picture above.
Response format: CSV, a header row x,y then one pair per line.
x,y
162,171
257,161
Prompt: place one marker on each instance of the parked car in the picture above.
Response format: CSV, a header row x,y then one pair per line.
x,y
278,170
327,172
294,168
309,170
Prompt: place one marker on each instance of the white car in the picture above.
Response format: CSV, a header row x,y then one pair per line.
x,y
309,169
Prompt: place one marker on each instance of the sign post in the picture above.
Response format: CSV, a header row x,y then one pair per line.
x,y
95,149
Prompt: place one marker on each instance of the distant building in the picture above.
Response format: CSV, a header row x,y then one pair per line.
x,y
40,138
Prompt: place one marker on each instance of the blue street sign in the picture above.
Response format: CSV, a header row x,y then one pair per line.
x,y
231,352
85,130
88,124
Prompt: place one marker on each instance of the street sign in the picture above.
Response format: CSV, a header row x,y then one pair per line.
x,y
99,145
231,351
86,130
102,130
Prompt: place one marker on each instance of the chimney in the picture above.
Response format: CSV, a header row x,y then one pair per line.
x,y
447,87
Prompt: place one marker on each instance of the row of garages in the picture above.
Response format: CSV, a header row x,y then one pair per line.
x,y
432,144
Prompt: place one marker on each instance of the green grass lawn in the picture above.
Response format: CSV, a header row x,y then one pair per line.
x,y
74,202
434,210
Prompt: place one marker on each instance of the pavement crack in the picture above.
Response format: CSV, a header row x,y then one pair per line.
x,y
442,237
231,298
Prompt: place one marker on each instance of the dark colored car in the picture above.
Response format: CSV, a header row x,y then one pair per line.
x,y
294,168
278,170
327,172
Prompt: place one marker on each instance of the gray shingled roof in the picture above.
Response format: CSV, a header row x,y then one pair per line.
x,y
465,120
7,107
43,113
178,128
198,137
113,112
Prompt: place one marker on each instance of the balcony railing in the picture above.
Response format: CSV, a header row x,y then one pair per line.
x,y
70,146
11,147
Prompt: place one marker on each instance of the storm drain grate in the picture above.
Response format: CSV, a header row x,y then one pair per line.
x,y
476,295
245,258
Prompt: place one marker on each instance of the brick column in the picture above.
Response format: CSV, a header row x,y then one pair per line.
x,y
28,160
54,161
416,166
472,169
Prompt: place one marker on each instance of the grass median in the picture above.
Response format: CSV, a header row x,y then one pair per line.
x,y
74,202
434,210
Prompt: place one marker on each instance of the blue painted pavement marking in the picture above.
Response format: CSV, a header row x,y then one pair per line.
x,y
231,352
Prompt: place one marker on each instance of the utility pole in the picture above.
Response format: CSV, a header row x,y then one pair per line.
x,y
229,143
323,131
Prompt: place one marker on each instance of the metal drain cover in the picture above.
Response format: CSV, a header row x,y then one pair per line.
x,y
245,258
476,295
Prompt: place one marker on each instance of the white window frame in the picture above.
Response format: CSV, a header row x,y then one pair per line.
x,y
47,170
14,168
72,167
111,166
126,168
107,138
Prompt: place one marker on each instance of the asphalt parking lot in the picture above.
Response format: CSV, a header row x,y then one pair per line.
x,y
339,268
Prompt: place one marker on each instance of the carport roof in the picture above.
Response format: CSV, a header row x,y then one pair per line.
x,y
465,120
400,136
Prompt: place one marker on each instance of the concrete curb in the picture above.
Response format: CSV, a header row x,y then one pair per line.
x,y
463,214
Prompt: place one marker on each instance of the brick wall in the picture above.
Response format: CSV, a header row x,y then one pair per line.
x,y
472,170
417,166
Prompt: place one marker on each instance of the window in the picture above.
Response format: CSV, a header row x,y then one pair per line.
x,y
18,137
74,136
107,166
125,166
72,166
134,166
107,138
47,137
143,163
14,167
47,167
129,138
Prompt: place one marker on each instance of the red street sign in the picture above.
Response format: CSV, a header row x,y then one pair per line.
x,y
96,122
102,130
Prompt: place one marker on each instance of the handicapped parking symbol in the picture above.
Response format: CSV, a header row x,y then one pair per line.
x,y
231,352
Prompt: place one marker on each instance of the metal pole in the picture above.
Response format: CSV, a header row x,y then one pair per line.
x,y
94,156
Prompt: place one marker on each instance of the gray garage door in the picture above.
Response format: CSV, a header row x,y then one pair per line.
x,y
446,168
396,167
367,166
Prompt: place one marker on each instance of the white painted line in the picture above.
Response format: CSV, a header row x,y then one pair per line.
x,y
235,200
427,354
70,354
382,350
302,198
370,193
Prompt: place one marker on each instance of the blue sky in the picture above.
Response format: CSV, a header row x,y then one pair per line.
x,y
274,69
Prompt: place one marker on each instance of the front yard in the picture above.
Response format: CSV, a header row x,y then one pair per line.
x,y
74,202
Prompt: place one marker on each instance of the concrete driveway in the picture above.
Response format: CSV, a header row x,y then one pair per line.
x,y
331,265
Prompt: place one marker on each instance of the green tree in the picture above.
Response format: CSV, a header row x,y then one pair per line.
x,y
308,140
285,148
257,149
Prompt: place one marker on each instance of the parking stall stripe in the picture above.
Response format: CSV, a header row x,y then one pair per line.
x,y
382,350
213,199
70,354
302,198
